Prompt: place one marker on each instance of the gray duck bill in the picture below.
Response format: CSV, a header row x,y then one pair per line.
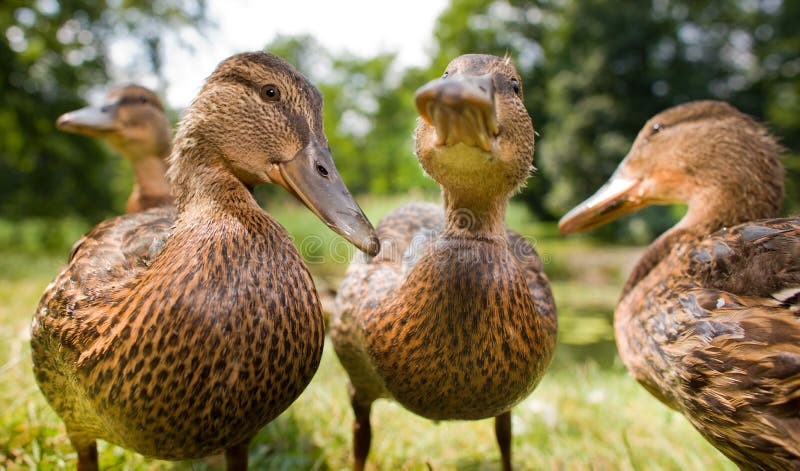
x,y
312,178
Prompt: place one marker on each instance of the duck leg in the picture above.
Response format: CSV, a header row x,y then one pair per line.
x,y
362,430
87,454
502,430
236,457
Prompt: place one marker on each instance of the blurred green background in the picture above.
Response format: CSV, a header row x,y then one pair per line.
x,y
594,71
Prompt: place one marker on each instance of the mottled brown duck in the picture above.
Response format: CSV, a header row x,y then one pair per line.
x,y
181,337
132,120
454,317
709,320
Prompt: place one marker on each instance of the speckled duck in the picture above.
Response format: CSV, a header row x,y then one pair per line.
x,y
132,119
709,319
454,317
181,338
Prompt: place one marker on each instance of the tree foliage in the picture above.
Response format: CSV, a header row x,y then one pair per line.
x,y
596,70
369,114
52,53
593,70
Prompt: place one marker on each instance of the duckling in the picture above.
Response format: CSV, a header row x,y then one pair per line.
x,y
454,318
181,337
708,319
132,120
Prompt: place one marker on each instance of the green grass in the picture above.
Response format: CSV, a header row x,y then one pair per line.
x,y
587,413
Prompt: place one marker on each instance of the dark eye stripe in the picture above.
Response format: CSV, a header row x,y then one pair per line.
x,y
131,100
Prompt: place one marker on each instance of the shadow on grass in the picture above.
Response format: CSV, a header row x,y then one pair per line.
x,y
286,443
482,465
283,444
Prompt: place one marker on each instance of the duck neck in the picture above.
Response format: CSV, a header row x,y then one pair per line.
x,y
474,215
150,187
203,184
708,212
654,253
717,208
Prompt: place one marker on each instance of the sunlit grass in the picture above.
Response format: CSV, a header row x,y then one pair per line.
x,y
587,413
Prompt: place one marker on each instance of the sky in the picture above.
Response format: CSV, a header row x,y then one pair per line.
x,y
360,27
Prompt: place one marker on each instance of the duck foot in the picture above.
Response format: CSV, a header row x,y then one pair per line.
x,y
362,432
87,455
236,457
502,430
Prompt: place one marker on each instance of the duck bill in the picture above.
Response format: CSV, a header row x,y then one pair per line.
x,y
313,179
90,121
617,197
461,109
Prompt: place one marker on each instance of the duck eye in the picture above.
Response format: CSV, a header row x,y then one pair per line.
x,y
445,74
270,92
515,85
657,128
322,170
142,100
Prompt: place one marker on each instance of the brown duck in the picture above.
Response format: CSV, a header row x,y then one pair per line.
x,y
454,317
132,120
710,324
180,338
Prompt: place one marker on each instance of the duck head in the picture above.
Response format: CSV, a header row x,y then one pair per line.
x,y
706,154
130,118
264,119
474,134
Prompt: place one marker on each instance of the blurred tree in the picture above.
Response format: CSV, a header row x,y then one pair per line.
x,y
613,68
593,72
52,53
608,69
777,78
596,70
369,114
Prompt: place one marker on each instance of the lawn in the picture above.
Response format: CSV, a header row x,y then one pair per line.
x,y
587,413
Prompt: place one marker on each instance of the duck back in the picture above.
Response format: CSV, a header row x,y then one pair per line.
x,y
712,332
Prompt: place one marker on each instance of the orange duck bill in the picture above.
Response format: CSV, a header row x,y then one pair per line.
x,y
312,178
617,197
462,110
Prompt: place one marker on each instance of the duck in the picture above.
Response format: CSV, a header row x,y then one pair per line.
x,y
454,318
708,320
132,120
180,337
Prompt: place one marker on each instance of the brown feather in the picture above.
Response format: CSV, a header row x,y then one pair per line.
x,y
454,318
710,324
179,333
